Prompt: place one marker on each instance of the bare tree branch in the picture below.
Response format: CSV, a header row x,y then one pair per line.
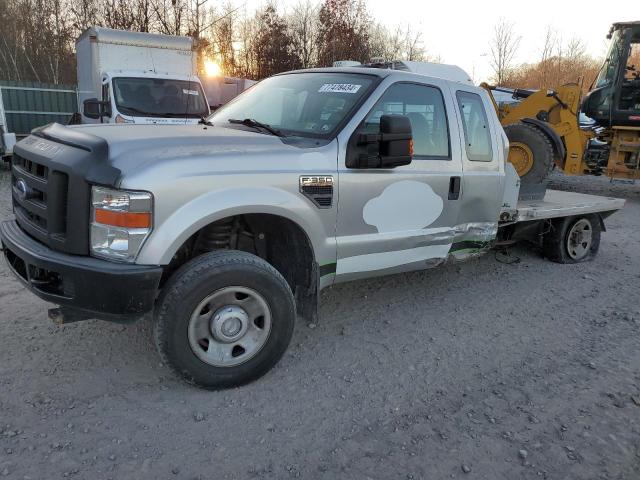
x,y
504,46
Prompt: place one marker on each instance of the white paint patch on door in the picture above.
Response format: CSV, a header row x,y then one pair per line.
x,y
404,205
379,261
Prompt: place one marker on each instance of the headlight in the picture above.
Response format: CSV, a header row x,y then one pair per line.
x,y
121,119
120,222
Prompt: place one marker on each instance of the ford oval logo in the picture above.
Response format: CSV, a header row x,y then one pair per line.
x,y
22,189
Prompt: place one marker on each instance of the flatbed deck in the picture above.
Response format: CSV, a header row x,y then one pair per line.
x,y
556,204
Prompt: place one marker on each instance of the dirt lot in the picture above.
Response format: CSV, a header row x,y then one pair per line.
x,y
480,370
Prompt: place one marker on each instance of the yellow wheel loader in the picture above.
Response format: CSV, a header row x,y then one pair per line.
x,y
544,129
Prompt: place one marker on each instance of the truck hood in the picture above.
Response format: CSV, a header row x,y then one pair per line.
x,y
133,147
159,157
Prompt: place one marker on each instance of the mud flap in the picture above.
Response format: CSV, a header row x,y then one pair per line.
x,y
307,298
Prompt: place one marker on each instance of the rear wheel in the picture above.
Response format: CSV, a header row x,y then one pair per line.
x,y
573,239
224,319
530,152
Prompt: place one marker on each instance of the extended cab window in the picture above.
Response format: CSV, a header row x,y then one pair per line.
x,y
424,106
312,104
476,126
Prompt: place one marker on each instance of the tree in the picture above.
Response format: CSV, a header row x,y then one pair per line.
x,y
413,46
170,15
504,46
35,41
219,41
37,38
118,14
549,46
401,43
273,46
143,15
559,65
83,14
343,32
245,54
303,28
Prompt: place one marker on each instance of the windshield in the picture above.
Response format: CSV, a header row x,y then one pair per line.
x,y
608,71
309,104
632,70
159,97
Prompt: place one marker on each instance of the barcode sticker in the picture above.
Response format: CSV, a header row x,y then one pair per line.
x,y
190,92
339,88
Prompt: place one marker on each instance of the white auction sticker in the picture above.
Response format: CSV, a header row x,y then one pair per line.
x,y
339,88
190,92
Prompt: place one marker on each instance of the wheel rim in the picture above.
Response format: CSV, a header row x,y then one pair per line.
x,y
521,157
579,239
229,326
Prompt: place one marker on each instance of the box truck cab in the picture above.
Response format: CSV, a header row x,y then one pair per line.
x,y
132,77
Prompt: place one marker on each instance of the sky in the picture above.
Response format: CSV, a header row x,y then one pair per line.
x,y
459,31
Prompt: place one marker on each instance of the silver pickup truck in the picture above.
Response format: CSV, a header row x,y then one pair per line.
x,y
226,230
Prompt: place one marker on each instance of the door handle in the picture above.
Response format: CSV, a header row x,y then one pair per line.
x,y
454,188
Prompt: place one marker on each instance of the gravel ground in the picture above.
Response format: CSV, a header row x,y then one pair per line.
x,y
478,370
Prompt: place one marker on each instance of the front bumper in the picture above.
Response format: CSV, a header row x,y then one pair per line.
x,y
84,287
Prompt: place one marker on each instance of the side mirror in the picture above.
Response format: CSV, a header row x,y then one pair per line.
x,y
94,108
394,144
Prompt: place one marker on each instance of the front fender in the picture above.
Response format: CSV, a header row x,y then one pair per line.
x,y
168,236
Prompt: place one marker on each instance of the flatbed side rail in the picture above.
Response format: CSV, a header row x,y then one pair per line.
x,y
557,204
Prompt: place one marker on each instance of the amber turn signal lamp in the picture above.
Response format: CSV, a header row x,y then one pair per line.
x,y
123,219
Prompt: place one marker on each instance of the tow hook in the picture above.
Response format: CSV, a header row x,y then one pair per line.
x,y
62,317
55,315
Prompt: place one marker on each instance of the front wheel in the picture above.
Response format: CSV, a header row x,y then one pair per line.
x,y
573,239
224,319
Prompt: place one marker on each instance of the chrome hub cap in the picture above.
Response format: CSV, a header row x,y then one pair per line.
x,y
579,239
229,326
229,323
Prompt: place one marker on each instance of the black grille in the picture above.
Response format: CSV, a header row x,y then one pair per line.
x,y
52,173
34,219
29,166
39,198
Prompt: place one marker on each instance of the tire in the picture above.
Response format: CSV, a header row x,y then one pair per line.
x,y
522,135
559,244
195,335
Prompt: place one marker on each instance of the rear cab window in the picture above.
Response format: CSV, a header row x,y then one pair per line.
x,y
477,133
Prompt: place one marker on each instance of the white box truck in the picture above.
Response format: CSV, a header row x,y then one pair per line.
x,y
220,90
132,77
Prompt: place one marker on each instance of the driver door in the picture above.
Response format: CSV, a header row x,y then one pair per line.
x,y
400,219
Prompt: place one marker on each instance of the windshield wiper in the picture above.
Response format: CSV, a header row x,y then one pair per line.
x,y
203,121
250,122
133,110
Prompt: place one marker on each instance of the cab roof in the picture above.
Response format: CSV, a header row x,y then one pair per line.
x,y
446,72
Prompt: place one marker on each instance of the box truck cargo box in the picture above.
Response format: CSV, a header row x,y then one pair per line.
x,y
133,77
